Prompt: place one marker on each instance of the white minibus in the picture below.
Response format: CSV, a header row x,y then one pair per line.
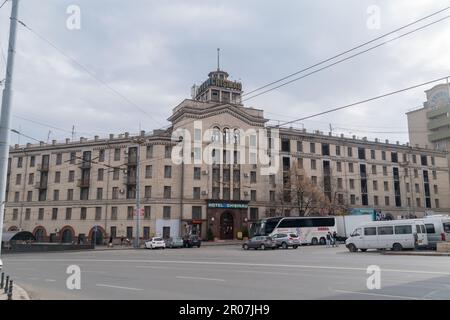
x,y
394,234
438,229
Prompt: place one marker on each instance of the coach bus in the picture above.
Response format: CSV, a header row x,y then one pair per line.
x,y
311,230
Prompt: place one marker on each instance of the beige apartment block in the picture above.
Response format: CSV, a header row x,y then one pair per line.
x,y
73,190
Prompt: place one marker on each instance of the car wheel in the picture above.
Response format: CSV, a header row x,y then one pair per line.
x,y
284,245
245,246
363,250
352,248
322,241
314,241
397,247
295,247
263,247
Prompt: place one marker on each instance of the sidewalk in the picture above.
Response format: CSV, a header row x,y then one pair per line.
x,y
204,243
417,253
18,294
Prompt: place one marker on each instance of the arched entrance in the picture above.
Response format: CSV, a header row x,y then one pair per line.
x,y
67,235
226,226
97,235
13,228
39,234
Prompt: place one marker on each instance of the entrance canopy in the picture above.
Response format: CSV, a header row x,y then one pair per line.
x,y
17,236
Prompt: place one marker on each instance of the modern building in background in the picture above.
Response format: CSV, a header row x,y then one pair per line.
x,y
73,190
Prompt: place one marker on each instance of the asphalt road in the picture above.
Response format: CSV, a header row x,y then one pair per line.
x,y
228,272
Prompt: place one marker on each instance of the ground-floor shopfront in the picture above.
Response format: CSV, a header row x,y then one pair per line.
x,y
226,219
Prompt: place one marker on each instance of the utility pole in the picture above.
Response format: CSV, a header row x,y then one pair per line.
x,y
139,141
5,115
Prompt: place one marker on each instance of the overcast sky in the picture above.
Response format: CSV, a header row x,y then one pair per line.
x,y
152,52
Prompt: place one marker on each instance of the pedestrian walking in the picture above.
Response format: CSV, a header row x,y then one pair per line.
x,y
121,240
328,239
335,243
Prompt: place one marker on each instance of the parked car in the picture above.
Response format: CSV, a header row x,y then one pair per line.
x,y
286,240
260,242
155,243
174,243
192,241
395,234
438,229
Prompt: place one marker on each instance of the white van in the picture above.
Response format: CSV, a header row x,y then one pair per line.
x,y
394,234
438,229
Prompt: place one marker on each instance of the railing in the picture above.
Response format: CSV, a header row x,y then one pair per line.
x,y
43,167
83,183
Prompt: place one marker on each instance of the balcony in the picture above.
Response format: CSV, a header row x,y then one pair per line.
x,y
438,112
40,184
83,183
129,180
437,123
43,167
85,164
443,134
131,160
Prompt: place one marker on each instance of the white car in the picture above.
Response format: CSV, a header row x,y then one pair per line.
x,y
155,243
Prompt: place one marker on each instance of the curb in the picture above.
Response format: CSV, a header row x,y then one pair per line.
x,y
18,294
433,254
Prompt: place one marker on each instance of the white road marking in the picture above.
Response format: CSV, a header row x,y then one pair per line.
x,y
240,264
118,287
377,294
50,280
199,278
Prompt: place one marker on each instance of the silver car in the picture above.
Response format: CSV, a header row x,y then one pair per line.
x,y
286,240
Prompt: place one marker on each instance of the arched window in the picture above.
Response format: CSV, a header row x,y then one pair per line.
x,y
215,135
227,136
236,136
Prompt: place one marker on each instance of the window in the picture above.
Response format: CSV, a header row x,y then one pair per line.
x,y
314,180
414,158
32,161
83,213
417,188
69,194
226,194
375,200
19,162
196,193
361,153
374,169
385,230
215,192
167,171
236,194
403,229
116,173
197,173
31,178
299,146
386,186
386,201
253,195
436,203
41,214
16,196
352,199
352,183
166,212
98,213
416,173
418,204
432,161
167,192
129,232
372,154
27,214
423,160
57,176
435,189
196,213
149,152
252,176
115,193
350,168
394,157
148,192
370,231
375,185
300,163
18,179
254,215
101,155
338,166
350,151
99,193
130,214
55,195
385,171
100,174
272,195
338,150
15,214
113,213
68,213
340,183
434,174
383,155
30,196
408,189
148,171
430,228
54,213
313,164
84,194
73,157
117,154
58,159
147,212
71,176
285,145
312,147
325,149
167,152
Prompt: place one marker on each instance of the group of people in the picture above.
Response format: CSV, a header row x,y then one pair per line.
x,y
331,239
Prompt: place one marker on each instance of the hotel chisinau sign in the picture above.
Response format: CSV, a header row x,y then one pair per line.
x,y
225,205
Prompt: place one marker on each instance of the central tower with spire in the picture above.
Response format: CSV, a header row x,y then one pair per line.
x,y
217,88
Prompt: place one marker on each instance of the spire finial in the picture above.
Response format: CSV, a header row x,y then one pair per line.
x,y
218,59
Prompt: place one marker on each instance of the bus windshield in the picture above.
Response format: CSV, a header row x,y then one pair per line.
x,y
263,227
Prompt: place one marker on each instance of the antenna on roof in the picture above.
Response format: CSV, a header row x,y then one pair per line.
x,y
218,59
